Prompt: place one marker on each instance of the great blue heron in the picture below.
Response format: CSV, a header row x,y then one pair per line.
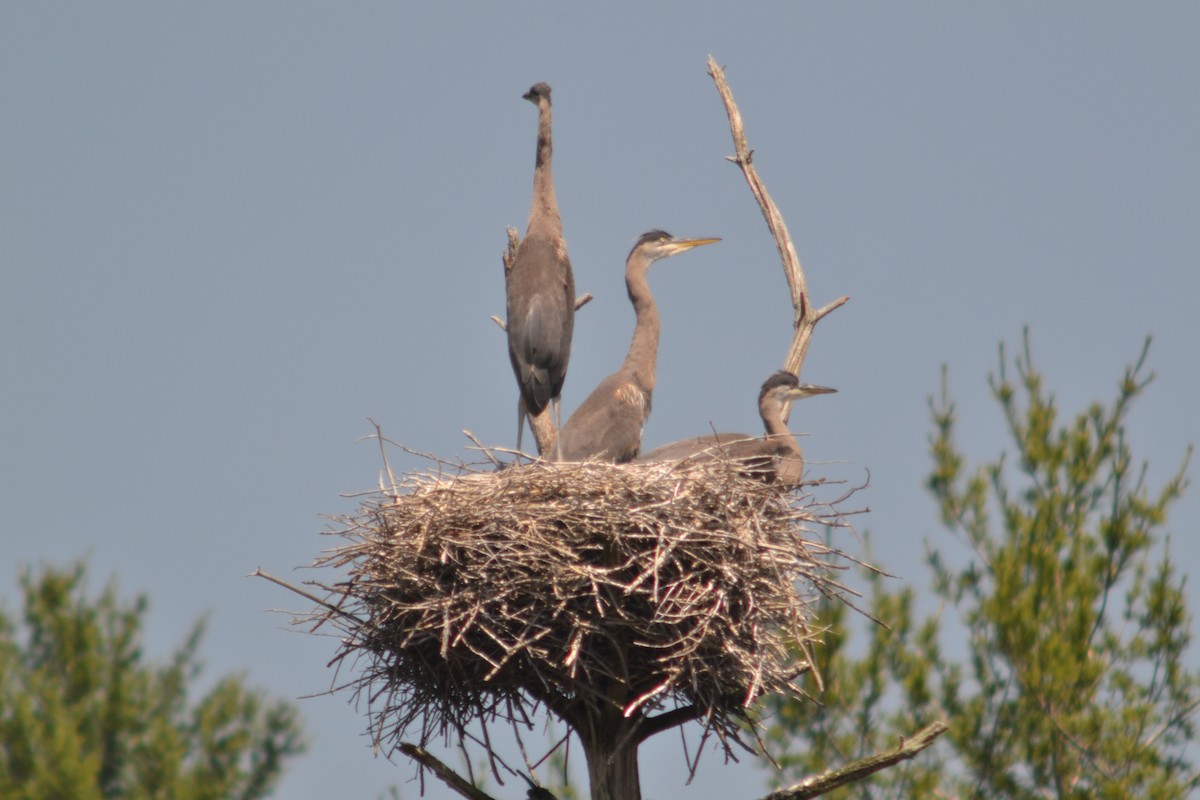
x,y
608,424
540,287
772,457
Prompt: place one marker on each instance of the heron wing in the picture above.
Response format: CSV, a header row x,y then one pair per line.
x,y
541,320
608,424
756,456
698,447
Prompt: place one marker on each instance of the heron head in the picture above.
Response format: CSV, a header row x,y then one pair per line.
x,y
537,92
656,244
784,386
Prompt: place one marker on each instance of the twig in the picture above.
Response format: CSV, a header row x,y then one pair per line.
x,y
851,773
805,318
448,776
482,449
383,454
258,573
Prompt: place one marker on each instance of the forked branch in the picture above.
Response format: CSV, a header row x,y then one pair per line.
x,y
805,317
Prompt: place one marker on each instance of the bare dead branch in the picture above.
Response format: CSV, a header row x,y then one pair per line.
x,y
744,159
851,773
448,776
804,318
823,310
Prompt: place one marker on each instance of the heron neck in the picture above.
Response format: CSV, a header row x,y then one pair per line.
x,y
642,357
777,429
543,215
774,423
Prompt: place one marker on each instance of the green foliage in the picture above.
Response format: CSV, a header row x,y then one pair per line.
x,y
1074,683
856,715
83,717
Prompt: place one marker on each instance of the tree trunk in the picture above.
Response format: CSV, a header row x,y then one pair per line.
x,y
611,754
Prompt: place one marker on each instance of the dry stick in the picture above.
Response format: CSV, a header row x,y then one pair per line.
x,y
542,424
383,455
805,318
448,776
481,448
835,778
258,573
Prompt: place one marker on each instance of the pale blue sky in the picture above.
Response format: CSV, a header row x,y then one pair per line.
x,y
231,232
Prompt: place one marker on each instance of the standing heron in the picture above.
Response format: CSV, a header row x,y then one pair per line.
x,y
540,287
773,457
608,424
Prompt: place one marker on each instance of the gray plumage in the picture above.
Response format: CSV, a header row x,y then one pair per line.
x,y
540,288
775,456
608,424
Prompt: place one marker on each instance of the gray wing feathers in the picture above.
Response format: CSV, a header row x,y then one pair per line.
x,y
708,446
541,318
601,428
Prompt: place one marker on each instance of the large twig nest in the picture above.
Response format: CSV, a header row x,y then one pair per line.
x,y
582,587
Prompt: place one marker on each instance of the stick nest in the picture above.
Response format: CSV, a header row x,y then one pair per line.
x,y
665,593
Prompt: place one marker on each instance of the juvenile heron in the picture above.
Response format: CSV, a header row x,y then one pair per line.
x,y
540,287
608,424
774,456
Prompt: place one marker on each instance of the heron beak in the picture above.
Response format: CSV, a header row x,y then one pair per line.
x,y
683,245
808,390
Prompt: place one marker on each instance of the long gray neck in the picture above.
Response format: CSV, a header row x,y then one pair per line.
x,y
642,358
777,430
543,212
